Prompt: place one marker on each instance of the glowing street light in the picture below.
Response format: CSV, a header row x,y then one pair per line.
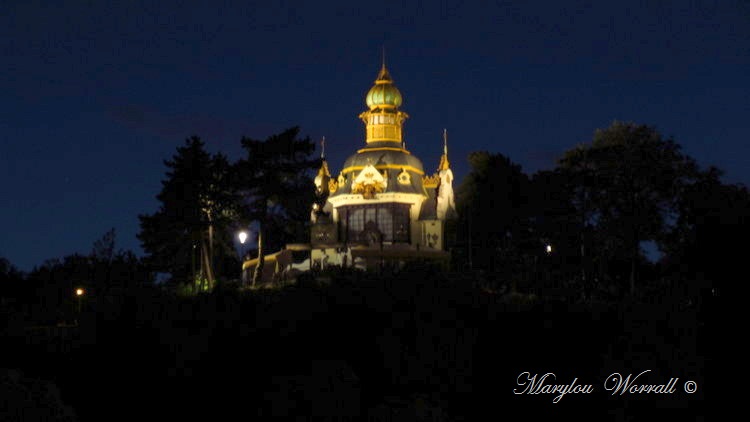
x,y
242,236
549,249
79,294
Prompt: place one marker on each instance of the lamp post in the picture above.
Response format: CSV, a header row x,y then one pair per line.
x,y
79,295
192,262
548,249
242,236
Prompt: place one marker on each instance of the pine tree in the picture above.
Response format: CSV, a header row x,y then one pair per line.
x,y
197,204
276,184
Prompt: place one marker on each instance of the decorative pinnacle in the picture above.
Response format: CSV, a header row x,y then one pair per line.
x,y
383,75
445,141
323,148
444,163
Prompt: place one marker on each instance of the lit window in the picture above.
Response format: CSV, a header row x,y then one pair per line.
x,y
391,220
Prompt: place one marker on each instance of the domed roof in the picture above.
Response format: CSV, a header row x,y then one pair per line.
x,y
384,157
399,171
384,93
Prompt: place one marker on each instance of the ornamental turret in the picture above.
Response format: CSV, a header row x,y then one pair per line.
x,y
383,121
322,187
446,207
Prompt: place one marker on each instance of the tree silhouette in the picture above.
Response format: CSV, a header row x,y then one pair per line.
x,y
50,288
705,241
276,183
11,281
104,247
557,224
196,200
493,206
626,185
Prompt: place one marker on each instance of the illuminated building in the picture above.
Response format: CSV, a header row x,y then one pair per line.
x,y
382,206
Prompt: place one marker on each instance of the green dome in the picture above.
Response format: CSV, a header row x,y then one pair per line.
x,y
384,93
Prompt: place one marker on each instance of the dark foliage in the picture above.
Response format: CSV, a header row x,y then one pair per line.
x,y
47,294
595,211
275,180
625,187
11,280
419,344
494,207
190,234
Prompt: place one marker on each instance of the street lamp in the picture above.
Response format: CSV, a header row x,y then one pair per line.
x,y
548,249
79,294
242,236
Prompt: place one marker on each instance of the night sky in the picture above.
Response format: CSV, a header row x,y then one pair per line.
x,y
96,96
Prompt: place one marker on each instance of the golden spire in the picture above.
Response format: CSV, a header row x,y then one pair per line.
x,y
384,77
444,163
445,141
323,171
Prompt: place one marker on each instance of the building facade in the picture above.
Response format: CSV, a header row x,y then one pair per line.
x,y
382,206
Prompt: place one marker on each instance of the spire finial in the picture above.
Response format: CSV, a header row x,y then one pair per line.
x,y
445,141
323,148
383,76
444,163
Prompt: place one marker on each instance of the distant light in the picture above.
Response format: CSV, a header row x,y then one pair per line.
x,y
243,236
79,292
549,248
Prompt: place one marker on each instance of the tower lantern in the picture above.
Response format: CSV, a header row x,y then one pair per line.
x,y
384,121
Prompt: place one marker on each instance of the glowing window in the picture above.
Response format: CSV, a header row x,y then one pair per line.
x,y
392,222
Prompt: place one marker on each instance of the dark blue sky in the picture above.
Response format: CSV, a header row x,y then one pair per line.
x,y
95,96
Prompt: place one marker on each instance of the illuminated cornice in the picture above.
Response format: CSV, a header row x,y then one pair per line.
x,y
360,151
384,166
